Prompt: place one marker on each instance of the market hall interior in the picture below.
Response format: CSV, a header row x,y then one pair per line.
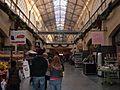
x,y
85,33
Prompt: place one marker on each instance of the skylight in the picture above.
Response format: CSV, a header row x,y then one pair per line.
x,y
60,10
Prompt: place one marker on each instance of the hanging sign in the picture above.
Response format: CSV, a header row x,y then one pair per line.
x,y
97,37
18,37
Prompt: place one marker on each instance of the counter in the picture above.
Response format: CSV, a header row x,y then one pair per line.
x,y
89,68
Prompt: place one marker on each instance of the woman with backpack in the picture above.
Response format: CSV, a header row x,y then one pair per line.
x,y
56,73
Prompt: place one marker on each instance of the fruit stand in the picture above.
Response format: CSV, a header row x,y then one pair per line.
x,y
4,63
5,59
3,69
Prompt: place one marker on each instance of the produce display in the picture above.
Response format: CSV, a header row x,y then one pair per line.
x,y
3,67
108,72
6,57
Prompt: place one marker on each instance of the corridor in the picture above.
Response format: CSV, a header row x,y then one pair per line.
x,y
74,79
79,30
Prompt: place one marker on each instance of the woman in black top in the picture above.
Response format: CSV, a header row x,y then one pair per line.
x,y
13,77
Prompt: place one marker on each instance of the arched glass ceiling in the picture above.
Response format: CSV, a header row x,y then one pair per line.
x,y
60,11
60,14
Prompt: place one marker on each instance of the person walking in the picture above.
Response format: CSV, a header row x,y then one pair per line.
x,y
56,73
29,56
47,76
13,77
38,69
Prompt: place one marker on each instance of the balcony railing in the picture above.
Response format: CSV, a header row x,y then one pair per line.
x,y
104,5
102,8
13,7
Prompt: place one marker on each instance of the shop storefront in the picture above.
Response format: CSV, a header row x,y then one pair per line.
x,y
116,42
4,57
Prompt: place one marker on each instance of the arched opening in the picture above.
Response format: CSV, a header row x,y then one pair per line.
x,y
28,45
89,44
2,39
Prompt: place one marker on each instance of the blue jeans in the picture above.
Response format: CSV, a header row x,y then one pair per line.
x,y
38,83
55,84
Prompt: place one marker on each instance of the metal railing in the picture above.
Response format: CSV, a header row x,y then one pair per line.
x,y
99,11
13,7
104,5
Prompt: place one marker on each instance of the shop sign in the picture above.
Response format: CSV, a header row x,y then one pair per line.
x,y
18,37
97,37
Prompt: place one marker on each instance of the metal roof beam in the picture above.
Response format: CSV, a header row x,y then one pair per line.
x,y
46,10
62,43
75,3
72,14
60,32
44,3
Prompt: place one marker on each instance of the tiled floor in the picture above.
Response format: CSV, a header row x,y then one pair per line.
x,y
74,79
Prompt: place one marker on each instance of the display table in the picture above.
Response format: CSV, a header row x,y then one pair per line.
x,y
89,68
109,74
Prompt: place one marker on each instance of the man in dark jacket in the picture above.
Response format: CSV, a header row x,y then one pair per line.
x,y
38,70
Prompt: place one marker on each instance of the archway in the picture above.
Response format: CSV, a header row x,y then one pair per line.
x,y
2,38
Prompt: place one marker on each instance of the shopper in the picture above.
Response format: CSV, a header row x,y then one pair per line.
x,y
56,73
13,77
61,59
38,69
30,55
47,76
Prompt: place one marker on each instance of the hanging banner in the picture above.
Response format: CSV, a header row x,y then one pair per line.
x,y
97,37
18,37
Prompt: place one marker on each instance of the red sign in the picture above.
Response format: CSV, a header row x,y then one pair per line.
x,y
18,37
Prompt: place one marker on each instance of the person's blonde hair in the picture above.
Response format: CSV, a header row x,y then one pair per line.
x,y
56,61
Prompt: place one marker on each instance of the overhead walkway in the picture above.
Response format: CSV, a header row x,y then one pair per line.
x,y
74,79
